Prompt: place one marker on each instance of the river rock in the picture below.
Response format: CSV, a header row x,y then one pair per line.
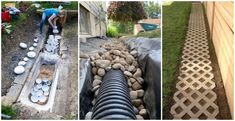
x,y
88,116
135,63
134,53
136,86
132,80
131,68
141,107
94,70
31,54
108,68
140,80
22,63
101,72
115,52
107,56
140,93
97,92
135,110
133,95
26,59
55,31
128,73
96,82
120,60
138,73
136,102
117,66
93,102
143,112
97,77
95,88
35,44
97,56
102,63
31,48
92,58
19,69
129,83
35,40
129,59
23,45
139,117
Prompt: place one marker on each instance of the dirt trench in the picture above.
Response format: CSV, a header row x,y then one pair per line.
x,y
11,53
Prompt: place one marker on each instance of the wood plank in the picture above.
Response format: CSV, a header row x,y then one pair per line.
x,y
224,15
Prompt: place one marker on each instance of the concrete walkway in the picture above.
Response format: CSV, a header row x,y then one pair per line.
x,y
194,98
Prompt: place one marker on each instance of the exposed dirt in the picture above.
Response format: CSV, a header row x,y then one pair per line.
x,y
71,40
66,100
46,71
73,71
12,53
221,101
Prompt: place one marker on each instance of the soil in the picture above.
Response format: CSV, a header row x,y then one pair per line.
x,y
221,101
70,31
66,100
12,53
47,71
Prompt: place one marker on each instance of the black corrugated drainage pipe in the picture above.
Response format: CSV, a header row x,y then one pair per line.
x,y
113,100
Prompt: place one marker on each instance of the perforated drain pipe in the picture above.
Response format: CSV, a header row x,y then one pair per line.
x,y
113,100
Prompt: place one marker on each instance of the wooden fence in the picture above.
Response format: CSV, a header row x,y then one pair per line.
x,y
220,20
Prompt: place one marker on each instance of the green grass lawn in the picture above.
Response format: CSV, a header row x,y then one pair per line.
x,y
150,34
8,110
175,22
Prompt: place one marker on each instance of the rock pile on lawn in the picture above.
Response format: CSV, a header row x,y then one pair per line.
x,y
118,56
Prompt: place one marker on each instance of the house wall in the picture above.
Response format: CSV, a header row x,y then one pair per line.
x,y
220,19
95,27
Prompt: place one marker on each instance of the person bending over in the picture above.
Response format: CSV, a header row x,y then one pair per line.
x,y
52,14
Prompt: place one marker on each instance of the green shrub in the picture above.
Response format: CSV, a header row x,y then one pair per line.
x,y
9,110
112,31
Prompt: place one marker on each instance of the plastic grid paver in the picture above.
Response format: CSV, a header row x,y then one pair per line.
x,y
195,98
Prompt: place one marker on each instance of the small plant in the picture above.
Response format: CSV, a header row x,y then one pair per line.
x,y
112,31
9,110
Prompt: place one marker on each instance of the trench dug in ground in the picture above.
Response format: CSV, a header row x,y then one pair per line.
x,y
146,58
65,102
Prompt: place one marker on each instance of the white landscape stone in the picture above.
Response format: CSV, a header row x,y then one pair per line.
x,y
88,116
55,31
23,45
22,63
58,37
35,44
35,40
19,69
26,59
31,48
34,98
51,37
31,54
